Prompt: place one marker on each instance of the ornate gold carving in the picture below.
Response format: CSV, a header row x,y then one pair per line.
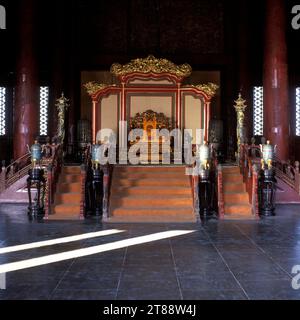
x,y
240,107
62,106
92,87
160,120
210,88
151,64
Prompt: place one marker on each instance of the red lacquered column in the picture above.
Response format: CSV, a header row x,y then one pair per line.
x,y
276,111
26,113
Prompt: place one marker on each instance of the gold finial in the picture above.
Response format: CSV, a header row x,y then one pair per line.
x,y
62,100
240,103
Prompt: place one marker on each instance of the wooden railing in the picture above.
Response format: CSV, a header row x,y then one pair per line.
x,y
84,171
107,173
83,178
249,164
51,162
15,171
195,195
220,191
53,167
288,173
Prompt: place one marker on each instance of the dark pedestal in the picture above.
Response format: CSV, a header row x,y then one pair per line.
x,y
266,192
97,192
205,193
36,180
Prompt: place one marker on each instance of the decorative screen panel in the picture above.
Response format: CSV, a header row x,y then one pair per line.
x,y
2,111
298,111
258,111
44,103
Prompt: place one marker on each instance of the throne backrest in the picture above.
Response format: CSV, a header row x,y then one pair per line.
x,y
150,120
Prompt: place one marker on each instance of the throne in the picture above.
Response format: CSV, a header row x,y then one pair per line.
x,y
151,120
149,125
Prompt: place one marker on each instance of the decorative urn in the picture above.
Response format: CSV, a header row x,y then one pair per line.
x,y
36,152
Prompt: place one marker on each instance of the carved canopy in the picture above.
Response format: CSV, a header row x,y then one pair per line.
x,y
152,77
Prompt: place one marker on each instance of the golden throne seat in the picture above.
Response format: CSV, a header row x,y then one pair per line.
x,y
157,120
150,120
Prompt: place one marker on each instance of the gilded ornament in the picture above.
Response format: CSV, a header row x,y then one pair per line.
x,y
240,107
151,64
92,87
62,106
210,88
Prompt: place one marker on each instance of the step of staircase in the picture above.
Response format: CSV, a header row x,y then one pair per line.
x,y
161,217
64,208
151,169
71,169
70,197
151,201
150,190
244,209
231,169
236,197
69,178
149,175
69,187
229,186
129,182
232,177
151,211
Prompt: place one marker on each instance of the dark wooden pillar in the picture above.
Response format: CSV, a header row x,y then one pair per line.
x,y
276,111
243,59
26,113
58,63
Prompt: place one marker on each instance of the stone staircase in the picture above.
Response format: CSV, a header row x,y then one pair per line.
x,y
151,194
236,199
68,194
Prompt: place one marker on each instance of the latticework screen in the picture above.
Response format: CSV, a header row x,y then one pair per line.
x,y
44,103
258,111
2,111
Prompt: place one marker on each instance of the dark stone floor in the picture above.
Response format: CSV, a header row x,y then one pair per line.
x,y
221,260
